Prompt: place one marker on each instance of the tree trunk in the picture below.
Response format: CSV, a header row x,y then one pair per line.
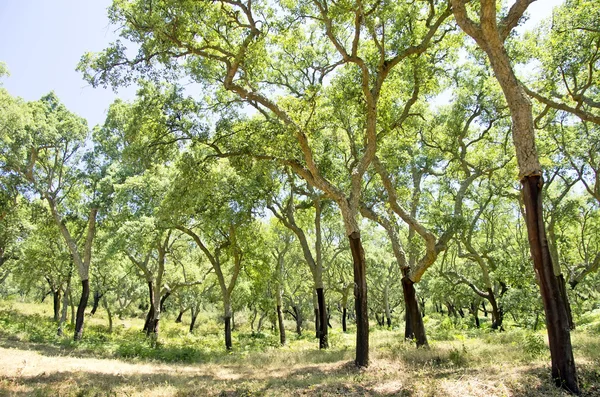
x,y
475,312
497,315
193,322
147,323
281,326
227,320
97,297
360,299
344,315
485,312
323,320
413,313
563,292
56,304
63,317
85,293
228,344
557,320
386,302
178,319
317,323
109,313
298,319
163,299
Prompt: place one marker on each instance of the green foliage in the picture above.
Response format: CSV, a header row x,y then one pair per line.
x,y
534,345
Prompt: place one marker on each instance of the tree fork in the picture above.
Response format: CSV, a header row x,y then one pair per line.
x,y
557,322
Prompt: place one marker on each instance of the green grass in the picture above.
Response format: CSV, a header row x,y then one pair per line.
x,y
459,361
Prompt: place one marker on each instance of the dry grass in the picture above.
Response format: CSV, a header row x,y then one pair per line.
x,y
489,365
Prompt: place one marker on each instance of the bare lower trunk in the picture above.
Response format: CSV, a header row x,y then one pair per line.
x,y
497,315
163,299
317,323
85,293
344,316
193,322
360,299
56,304
386,303
323,320
148,322
557,320
97,297
179,316
413,314
109,313
298,318
563,292
63,317
281,325
228,344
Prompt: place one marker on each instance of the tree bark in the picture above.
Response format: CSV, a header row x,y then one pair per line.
x,y
497,315
63,316
149,316
317,323
97,297
281,325
344,316
85,293
163,299
413,314
360,299
228,344
557,321
109,313
179,316
56,304
323,320
563,291
193,322
298,318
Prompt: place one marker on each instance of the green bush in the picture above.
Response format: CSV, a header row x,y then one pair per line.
x,y
533,345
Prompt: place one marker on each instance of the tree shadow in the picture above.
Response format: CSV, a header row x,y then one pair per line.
x,y
343,380
541,383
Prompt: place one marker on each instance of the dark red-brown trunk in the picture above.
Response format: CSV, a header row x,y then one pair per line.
x,y
179,317
56,304
415,329
281,325
323,320
163,299
150,315
344,316
85,294
228,344
360,299
97,297
557,320
563,291
317,324
193,322
497,315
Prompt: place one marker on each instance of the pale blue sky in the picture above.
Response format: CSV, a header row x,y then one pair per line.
x,y
41,41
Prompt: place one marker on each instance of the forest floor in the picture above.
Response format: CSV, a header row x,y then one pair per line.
x,y
512,363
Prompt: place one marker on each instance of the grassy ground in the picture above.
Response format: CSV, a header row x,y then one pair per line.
x,y
33,361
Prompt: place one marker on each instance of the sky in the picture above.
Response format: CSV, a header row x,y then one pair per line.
x,y
41,41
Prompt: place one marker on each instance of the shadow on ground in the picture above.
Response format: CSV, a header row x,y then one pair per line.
x,y
307,381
